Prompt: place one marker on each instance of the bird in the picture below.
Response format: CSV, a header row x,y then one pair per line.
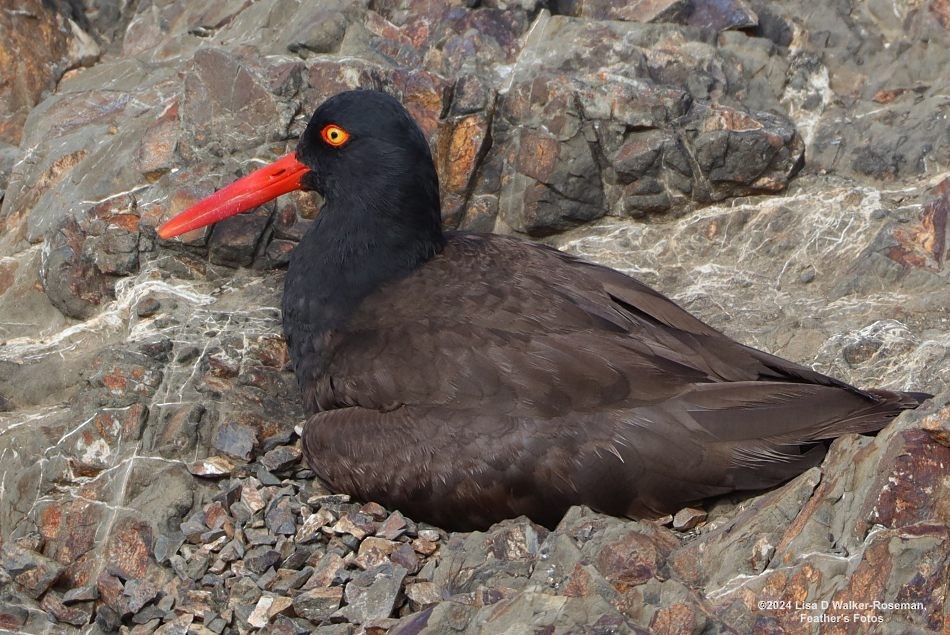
x,y
466,378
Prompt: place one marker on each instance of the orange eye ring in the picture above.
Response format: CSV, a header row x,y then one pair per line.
x,y
334,135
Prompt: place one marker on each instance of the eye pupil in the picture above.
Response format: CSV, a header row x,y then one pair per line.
x,y
334,135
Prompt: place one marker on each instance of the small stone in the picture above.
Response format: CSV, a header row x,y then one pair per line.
x,y
356,525
427,572
280,517
31,542
243,611
166,602
309,531
215,515
81,594
259,616
288,579
140,593
77,615
211,580
318,604
259,559
176,626
393,527
405,556
372,594
240,512
349,542
379,626
422,594
194,601
265,477
193,528
280,605
216,567
167,545
275,438
191,569
235,439
214,540
148,307
429,534
329,570
212,467
251,496
283,625
267,578
298,557
330,501
374,510
425,547
107,619
13,617
687,518
32,571
244,591
373,552
232,551
149,614
281,458
259,537
230,493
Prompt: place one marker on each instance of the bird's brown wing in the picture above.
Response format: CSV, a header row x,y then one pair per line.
x,y
467,469
511,327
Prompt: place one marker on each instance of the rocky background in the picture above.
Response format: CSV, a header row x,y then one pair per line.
x,y
782,169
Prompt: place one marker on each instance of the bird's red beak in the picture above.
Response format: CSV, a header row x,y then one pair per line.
x,y
266,184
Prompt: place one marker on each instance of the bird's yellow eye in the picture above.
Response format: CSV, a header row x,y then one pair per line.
x,y
334,135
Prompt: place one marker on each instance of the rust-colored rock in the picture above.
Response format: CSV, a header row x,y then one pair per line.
x,y
157,153
37,44
924,244
937,426
633,559
461,145
914,484
127,554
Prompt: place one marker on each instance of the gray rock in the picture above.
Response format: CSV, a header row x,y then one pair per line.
x,y
317,605
281,458
372,594
259,559
213,466
80,594
687,518
32,571
235,439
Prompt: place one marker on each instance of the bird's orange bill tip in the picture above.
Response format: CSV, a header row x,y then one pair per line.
x,y
265,184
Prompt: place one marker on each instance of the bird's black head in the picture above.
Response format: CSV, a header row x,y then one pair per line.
x,y
366,156
364,149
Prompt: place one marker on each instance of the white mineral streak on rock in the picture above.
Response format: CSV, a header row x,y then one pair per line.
x,y
736,266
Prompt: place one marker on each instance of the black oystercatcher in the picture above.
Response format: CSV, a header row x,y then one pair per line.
x,y
467,378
